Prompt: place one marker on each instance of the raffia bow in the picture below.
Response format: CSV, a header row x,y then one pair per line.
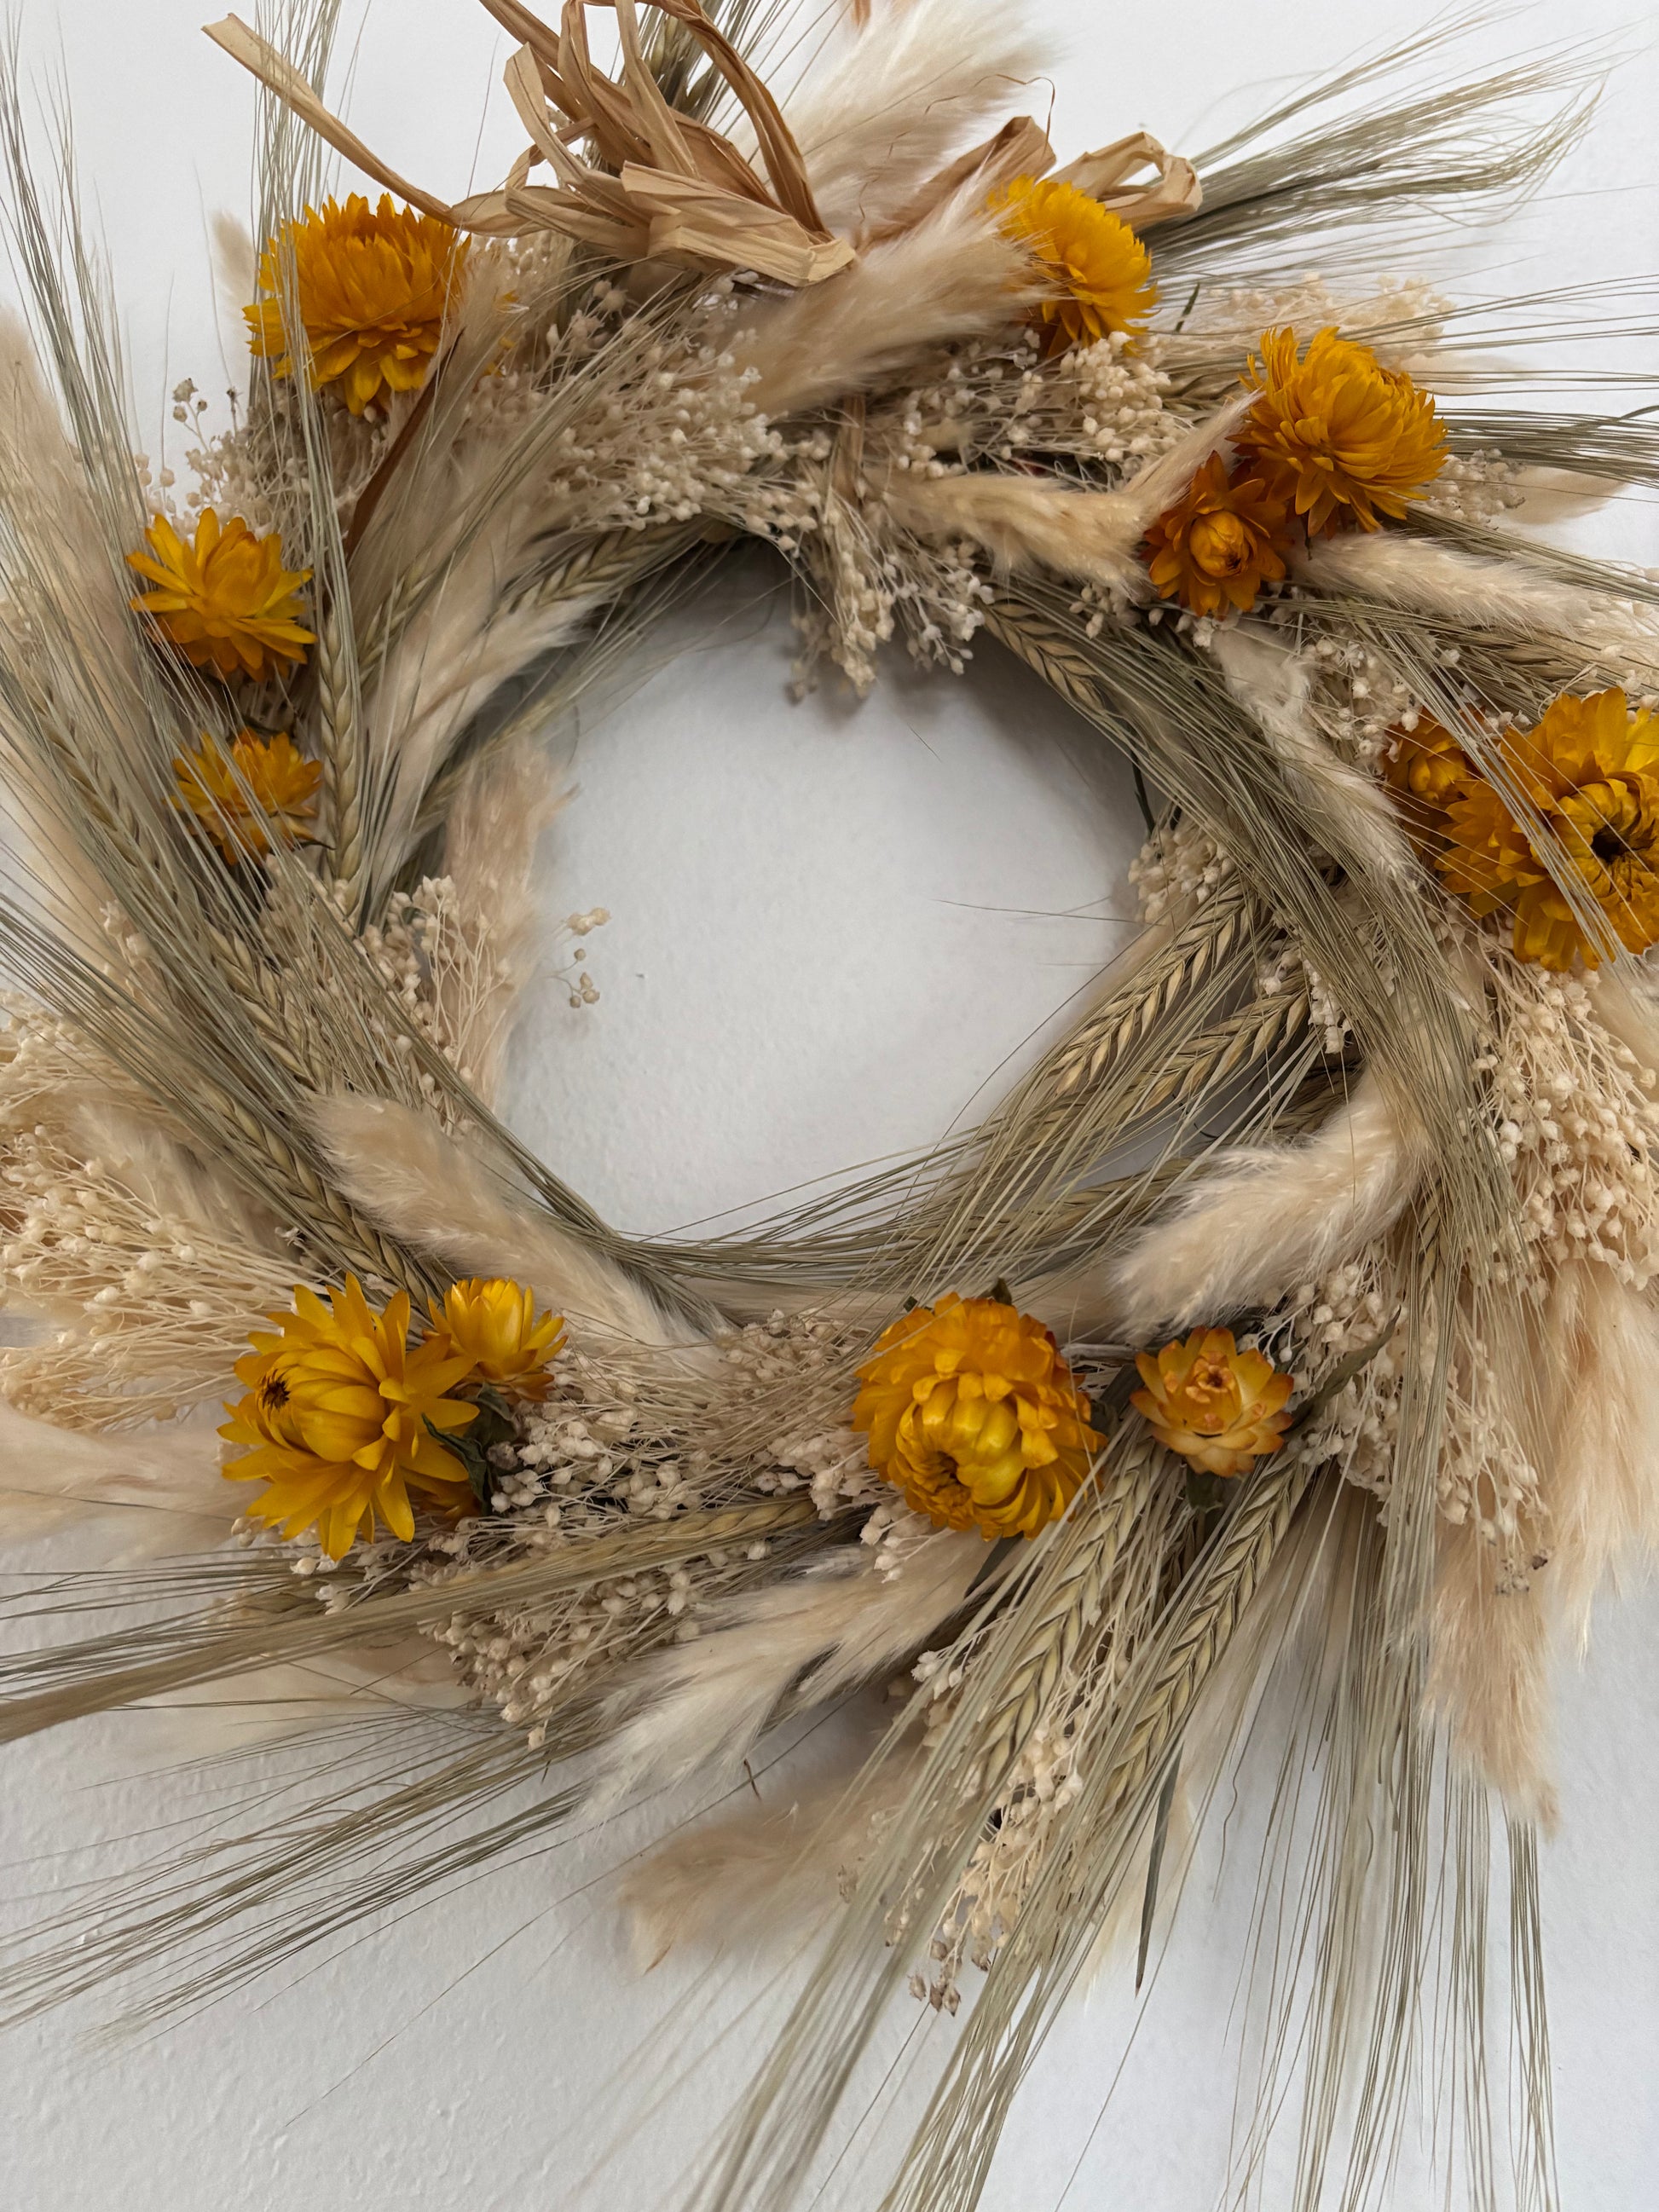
x,y
1021,149
661,186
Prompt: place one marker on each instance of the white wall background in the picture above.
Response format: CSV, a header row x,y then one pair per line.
x,y
831,928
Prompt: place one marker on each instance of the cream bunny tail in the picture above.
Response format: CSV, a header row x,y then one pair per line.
x,y
399,1166
707,1702
1268,1218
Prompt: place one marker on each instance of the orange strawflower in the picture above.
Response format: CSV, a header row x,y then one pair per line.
x,y
1591,768
1341,438
1220,1407
225,600
1222,540
1101,274
1425,767
239,797
371,286
973,1415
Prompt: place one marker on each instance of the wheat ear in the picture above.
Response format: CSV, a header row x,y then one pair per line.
x,y
602,566
1045,649
1245,1037
1197,950
1244,1550
322,1211
1053,1625
339,724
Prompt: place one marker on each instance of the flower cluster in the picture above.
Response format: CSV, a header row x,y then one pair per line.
x,y
1575,1119
1577,869
1483,1474
784,1366
342,1416
1043,1784
1398,316
131,1279
1104,403
1477,488
1002,399
255,466
1290,969
1341,1317
1178,862
587,1460
998,400
1333,441
1357,701
869,588
678,437
446,965
597,1451
974,1417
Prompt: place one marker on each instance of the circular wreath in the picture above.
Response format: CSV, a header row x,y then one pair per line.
x,y
1308,1278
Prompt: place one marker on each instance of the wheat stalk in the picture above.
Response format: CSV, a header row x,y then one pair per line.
x,y
602,565
1248,1036
355,1240
1244,1549
1220,925
275,1007
1045,649
1244,1038
131,840
105,1672
339,724
1054,1623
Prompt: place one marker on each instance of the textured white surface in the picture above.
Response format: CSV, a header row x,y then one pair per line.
x,y
831,929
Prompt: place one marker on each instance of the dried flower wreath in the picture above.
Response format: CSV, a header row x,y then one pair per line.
x,y
1296,1311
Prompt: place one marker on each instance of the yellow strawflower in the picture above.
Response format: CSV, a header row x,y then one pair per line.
x,y
973,1415
1338,436
1217,1406
225,599
1221,541
338,1418
261,784
493,1324
1101,274
371,286
1591,768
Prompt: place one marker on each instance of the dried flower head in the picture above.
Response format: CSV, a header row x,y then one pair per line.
x,y
241,796
973,1415
1217,1406
494,1324
339,1419
371,286
1591,768
1221,541
1341,437
1424,768
225,600
1101,274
